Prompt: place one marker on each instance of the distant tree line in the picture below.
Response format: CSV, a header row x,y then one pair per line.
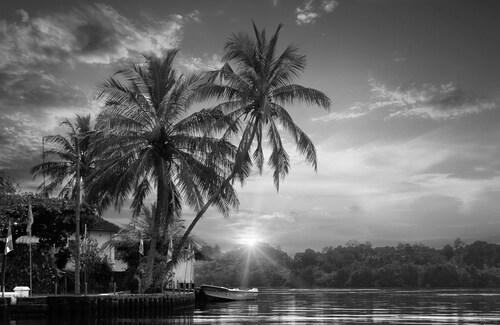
x,y
356,265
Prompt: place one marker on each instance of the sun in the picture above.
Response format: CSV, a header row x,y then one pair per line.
x,y
249,240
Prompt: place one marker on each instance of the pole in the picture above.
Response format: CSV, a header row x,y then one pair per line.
x,y
28,229
4,270
43,162
31,269
85,259
77,218
4,264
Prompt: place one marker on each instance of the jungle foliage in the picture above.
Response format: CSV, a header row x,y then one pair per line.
x,y
357,265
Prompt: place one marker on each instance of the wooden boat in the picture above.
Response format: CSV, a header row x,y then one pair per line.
x,y
216,293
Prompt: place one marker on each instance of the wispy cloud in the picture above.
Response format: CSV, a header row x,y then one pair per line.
x,y
311,10
428,101
206,62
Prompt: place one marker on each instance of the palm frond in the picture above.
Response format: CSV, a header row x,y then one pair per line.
x,y
290,93
304,144
279,160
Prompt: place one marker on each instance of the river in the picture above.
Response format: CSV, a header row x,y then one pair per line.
x,y
341,306
347,306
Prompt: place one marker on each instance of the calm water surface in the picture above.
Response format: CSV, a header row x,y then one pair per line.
x,y
338,306
358,307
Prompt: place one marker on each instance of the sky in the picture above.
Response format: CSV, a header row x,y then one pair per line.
x,y
409,151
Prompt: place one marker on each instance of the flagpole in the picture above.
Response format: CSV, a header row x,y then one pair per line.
x,y
7,249
30,222
85,260
3,273
31,269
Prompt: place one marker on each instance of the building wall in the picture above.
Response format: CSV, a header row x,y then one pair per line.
x,y
102,237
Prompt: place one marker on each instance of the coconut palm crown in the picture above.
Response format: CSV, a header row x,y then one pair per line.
x,y
255,84
150,146
61,158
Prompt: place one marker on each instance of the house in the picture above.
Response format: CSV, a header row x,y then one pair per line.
x,y
103,231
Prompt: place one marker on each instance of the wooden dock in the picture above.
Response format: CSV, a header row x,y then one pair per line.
x,y
95,307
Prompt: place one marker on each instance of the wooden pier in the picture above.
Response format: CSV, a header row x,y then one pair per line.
x,y
95,307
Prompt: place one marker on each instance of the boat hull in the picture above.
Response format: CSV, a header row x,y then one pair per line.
x,y
215,293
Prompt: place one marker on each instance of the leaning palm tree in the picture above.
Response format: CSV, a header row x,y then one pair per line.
x,y
255,84
65,154
150,146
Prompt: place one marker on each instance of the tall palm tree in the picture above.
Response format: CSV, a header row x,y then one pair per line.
x,y
69,161
255,84
150,146
65,154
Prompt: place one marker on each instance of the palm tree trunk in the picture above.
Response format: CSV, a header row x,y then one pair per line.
x,y
77,218
198,216
160,209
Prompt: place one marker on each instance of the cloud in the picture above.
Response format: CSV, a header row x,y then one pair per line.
x,y
329,5
42,57
24,89
428,101
20,140
194,16
310,12
90,34
206,62
24,15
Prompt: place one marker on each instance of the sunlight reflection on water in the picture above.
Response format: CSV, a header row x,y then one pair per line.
x,y
341,306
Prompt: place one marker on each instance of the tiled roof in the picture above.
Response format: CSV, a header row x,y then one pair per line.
x,y
103,225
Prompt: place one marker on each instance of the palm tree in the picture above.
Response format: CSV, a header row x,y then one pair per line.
x,y
69,162
150,145
255,84
66,153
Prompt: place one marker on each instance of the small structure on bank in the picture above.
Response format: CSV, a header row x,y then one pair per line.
x,y
102,231
183,272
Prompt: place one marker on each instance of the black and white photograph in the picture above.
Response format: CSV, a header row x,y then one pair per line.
x,y
250,162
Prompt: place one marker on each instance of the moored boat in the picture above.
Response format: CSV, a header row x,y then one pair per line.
x,y
217,293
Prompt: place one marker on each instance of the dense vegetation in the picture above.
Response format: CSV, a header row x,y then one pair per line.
x,y
53,227
355,265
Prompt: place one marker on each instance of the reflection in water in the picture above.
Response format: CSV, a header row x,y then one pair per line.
x,y
334,306
342,306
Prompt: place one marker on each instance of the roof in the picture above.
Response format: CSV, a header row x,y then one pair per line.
x,y
104,225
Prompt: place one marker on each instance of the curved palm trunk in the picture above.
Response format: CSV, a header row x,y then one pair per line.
x,y
200,214
160,209
211,200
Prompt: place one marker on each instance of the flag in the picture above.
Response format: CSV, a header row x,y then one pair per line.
x,y
190,252
141,247
30,219
169,253
9,244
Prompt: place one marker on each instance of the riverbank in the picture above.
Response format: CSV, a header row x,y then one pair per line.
x,y
113,306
